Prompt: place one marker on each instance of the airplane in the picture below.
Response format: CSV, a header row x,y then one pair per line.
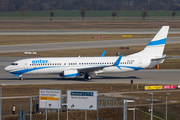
x,y
74,67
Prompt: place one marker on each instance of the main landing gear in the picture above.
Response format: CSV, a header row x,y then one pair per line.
x,y
88,77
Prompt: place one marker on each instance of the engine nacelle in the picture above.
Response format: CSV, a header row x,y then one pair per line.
x,y
71,73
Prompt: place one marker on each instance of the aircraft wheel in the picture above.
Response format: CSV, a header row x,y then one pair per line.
x,y
89,77
21,78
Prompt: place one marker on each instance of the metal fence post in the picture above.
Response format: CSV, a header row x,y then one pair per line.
x,y
0,99
46,110
20,106
30,107
33,106
9,107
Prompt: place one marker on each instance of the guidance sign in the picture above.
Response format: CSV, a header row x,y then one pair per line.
x,y
82,100
49,99
153,87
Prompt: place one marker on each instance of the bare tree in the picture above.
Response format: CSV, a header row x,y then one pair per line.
x,y
23,12
83,12
173,14
52,14
114,14
144,13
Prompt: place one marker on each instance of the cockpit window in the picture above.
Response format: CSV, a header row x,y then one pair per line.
x,y
14,63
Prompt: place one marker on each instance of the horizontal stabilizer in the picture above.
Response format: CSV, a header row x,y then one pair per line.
x,y
163,57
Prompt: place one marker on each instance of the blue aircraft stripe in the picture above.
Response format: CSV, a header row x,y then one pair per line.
x,y
134,68
158,42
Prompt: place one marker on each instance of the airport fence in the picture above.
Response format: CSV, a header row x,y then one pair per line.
x,y
103,102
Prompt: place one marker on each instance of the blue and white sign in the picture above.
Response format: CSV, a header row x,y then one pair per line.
x,y
82,100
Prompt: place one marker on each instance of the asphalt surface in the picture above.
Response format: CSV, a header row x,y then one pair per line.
x,y
65,32
144,76
80,45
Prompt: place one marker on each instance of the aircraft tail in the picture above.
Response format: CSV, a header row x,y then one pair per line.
x,y
155,47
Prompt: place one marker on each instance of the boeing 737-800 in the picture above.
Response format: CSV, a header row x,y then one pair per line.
x,y
74,67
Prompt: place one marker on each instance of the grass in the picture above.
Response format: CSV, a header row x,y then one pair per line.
x,y
29,24
35,39
172,110
98,13
170,50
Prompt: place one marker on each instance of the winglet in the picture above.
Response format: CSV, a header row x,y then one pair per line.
x,y
118,61
102,55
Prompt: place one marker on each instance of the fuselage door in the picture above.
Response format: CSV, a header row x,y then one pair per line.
x,y
140,63
25,64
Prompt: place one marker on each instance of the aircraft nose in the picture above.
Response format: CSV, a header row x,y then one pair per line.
x,y
7,68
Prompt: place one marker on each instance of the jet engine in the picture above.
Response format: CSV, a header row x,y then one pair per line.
x,y
71,73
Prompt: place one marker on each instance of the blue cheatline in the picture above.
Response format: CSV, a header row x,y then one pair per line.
x,y
157,42
135,68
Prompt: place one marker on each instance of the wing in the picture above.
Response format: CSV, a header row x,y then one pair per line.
x,y
92,69
100,68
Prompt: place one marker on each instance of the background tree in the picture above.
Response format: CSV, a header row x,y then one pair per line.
x,y
83,12
114,14
173,14
23,12
144,13
52,14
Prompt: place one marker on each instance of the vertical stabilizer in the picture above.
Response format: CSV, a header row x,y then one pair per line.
x,y
155,47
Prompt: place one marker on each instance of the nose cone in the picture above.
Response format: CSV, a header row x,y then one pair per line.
x,y
7,68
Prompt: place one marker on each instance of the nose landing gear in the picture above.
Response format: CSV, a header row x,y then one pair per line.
x,y
21,77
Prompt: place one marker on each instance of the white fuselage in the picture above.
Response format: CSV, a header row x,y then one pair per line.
x,y
59,64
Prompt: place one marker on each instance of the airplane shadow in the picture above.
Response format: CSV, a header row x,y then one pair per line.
x,y
111,77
